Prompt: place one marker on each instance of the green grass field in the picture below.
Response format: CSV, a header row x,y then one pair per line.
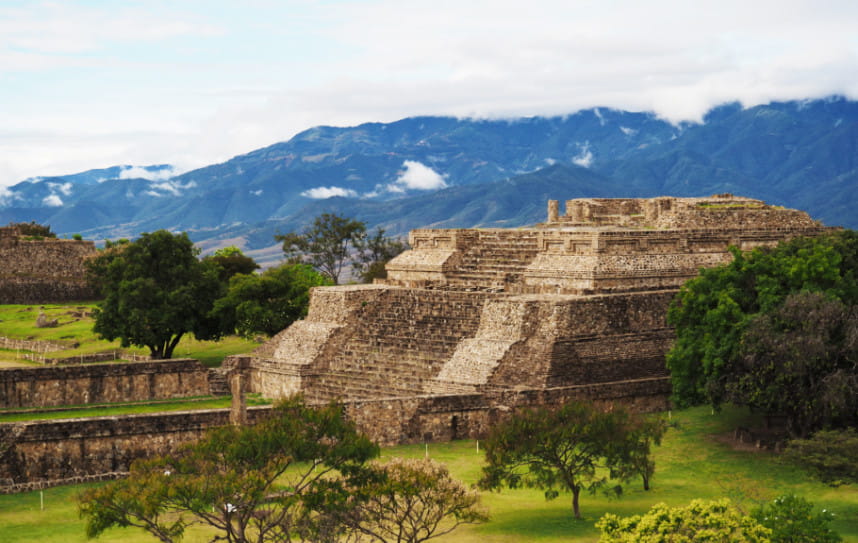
x,y
75,325
693,462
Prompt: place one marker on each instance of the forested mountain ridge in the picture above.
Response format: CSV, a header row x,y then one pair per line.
x,y
447,172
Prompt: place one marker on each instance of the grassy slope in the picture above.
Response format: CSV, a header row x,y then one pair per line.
x,y
690,464
19,321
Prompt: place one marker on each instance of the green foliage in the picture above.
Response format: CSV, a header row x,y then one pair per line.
x,y
33,229
829,454
408,501
791,520
259,483
712,312
269,302
373,252
231,261
699,522
798,360
77,237
326,245
568,449
155,291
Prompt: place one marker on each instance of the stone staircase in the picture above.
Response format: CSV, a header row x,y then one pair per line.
x,y
495,260
397,346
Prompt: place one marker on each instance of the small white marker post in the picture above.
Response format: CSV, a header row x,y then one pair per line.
x,y
42,500
427,449
478,446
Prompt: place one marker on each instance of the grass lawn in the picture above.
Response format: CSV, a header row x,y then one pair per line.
x,y
691,463
131,408
75,325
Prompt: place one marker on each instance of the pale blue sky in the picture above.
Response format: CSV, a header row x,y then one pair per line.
x,y
89,84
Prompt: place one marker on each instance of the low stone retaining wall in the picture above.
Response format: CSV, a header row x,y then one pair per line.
x,y
39,454
102,383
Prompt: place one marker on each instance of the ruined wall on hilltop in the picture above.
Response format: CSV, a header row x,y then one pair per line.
x,y
43,271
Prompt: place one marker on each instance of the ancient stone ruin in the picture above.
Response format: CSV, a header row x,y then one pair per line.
x,y
576,303
42,271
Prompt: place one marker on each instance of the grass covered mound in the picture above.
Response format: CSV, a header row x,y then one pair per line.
x,y
696,460
73,329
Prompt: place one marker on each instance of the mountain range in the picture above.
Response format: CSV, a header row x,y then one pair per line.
x,y
449,172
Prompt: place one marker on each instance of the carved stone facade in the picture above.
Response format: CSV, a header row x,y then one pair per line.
x,y
577,301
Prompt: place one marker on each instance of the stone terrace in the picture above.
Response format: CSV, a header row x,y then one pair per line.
x,y
579,300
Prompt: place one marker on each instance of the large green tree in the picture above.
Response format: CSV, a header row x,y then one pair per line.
x,y
154,291
568,449
276,481
269,302
713,312
327,245
231,261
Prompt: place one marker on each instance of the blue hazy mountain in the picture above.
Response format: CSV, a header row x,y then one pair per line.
x,y
448,172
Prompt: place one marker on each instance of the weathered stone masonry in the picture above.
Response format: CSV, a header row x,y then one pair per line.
x,y
579,300
42,271
469,326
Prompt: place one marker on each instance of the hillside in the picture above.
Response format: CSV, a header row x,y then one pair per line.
x,y
447,172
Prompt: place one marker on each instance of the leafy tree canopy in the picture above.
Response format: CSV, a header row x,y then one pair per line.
x,y
568,449
792,520
326,245
232,261
713,312
270,482
269,302
155,290
829,454
373,252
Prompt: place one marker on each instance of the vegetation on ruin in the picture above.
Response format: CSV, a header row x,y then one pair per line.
x,y
696,461
74,328
776,330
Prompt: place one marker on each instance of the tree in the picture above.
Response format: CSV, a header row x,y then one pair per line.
x,y
562,449
269,302
268,482
701,521
232,261
712,312
155,291
373,253
326,246
791,520
798,360
408,501
828,454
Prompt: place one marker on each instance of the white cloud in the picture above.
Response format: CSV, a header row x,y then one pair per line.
x,y
52,201
321,193
65,188
584,157
7,196
137,172
172,187
628,131
257,192
417,176
550,161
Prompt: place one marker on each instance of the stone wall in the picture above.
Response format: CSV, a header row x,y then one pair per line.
x,y
39,454
42,271
102,383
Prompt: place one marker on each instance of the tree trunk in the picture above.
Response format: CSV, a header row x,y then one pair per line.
x,y
575,509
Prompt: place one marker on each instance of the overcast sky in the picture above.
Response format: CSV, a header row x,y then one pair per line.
x,y
87,84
